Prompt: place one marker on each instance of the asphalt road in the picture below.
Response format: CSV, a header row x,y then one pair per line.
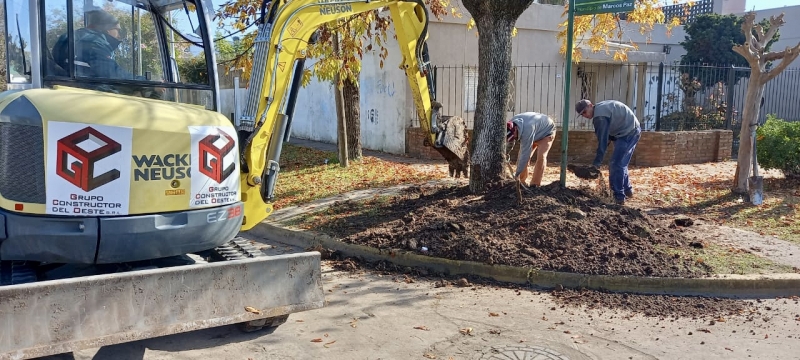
x,y
374,316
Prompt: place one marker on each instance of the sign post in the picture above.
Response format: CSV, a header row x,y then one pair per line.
x,y
581,7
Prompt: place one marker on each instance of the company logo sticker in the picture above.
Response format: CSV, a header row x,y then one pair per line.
x,y
88,169
212,156
77,165
214,168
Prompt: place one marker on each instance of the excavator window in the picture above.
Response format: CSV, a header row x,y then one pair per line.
x,y
131,47
18,41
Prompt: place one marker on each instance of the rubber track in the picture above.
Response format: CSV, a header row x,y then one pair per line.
x,y
237,249
16,272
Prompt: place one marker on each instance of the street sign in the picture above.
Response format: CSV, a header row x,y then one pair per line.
x,y
591,7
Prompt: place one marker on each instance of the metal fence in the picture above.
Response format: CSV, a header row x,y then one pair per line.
x,y
664,97
681,88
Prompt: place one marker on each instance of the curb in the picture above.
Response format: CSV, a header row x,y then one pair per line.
x,y
723,286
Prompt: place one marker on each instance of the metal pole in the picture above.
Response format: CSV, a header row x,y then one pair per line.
x,y
729,89
659,94
567,83
236,101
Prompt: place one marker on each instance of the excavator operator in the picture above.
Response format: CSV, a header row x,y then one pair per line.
x,y
94,49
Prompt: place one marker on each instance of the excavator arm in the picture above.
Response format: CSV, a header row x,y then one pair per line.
x,y
285,30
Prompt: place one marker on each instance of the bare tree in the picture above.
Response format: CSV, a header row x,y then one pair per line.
x,y
754,50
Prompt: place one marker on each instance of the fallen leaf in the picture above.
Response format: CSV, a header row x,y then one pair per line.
x,y
329,343
729,349
466,331
353,323
299,321
494,314
429,356
316,340
421,328
252,310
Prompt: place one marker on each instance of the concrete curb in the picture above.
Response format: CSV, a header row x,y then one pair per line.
x,y
724,286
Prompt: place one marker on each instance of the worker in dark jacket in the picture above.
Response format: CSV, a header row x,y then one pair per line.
x,y
534,130
614,121
94,50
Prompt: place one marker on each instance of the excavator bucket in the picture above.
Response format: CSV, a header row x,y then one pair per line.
x,y
452,142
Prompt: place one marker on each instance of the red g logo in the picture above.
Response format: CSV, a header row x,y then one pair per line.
x,y
211,156
80,171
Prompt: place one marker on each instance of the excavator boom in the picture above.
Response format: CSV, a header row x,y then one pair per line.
x,y
285,31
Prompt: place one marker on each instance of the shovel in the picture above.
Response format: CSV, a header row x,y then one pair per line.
x,y
756,183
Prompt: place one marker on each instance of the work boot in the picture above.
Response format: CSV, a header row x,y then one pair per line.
x,y
619,201
629,193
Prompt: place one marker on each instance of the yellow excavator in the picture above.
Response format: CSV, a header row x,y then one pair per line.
x,y
125,195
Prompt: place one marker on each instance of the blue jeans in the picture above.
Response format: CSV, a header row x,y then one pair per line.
x,y
620,158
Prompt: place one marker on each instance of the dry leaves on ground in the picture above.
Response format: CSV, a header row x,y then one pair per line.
x,y
306,176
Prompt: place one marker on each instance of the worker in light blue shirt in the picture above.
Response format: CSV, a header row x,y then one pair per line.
x,y
614,121
534,130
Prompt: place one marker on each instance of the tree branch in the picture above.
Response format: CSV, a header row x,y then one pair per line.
x,y
774,24
772,56
790,55
749,39
747,53
759,32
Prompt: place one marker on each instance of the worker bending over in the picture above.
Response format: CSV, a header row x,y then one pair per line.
x,y
534,130
616,122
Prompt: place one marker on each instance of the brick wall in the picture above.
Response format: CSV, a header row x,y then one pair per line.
x,y
654,148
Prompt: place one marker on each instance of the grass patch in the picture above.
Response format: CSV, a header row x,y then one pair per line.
x,y
309,174
728,260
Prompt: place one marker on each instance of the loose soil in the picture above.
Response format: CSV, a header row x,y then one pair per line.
x,y
552,228
663,306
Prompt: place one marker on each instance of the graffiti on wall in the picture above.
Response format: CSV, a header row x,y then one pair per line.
x,y
384,87
372,115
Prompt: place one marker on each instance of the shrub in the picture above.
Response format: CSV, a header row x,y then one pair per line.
x,y
778,146
693,120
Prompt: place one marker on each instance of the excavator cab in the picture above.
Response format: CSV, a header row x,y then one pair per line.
x,y
158,49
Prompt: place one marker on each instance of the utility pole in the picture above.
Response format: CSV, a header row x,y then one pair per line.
x,y
340,119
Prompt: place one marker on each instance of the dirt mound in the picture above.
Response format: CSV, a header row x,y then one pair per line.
x,y
552,229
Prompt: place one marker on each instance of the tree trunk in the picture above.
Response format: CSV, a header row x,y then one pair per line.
x,y
495,20
352,118
755,90
341,122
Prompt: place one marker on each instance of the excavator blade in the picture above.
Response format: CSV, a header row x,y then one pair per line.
x,y
61,316
452,141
